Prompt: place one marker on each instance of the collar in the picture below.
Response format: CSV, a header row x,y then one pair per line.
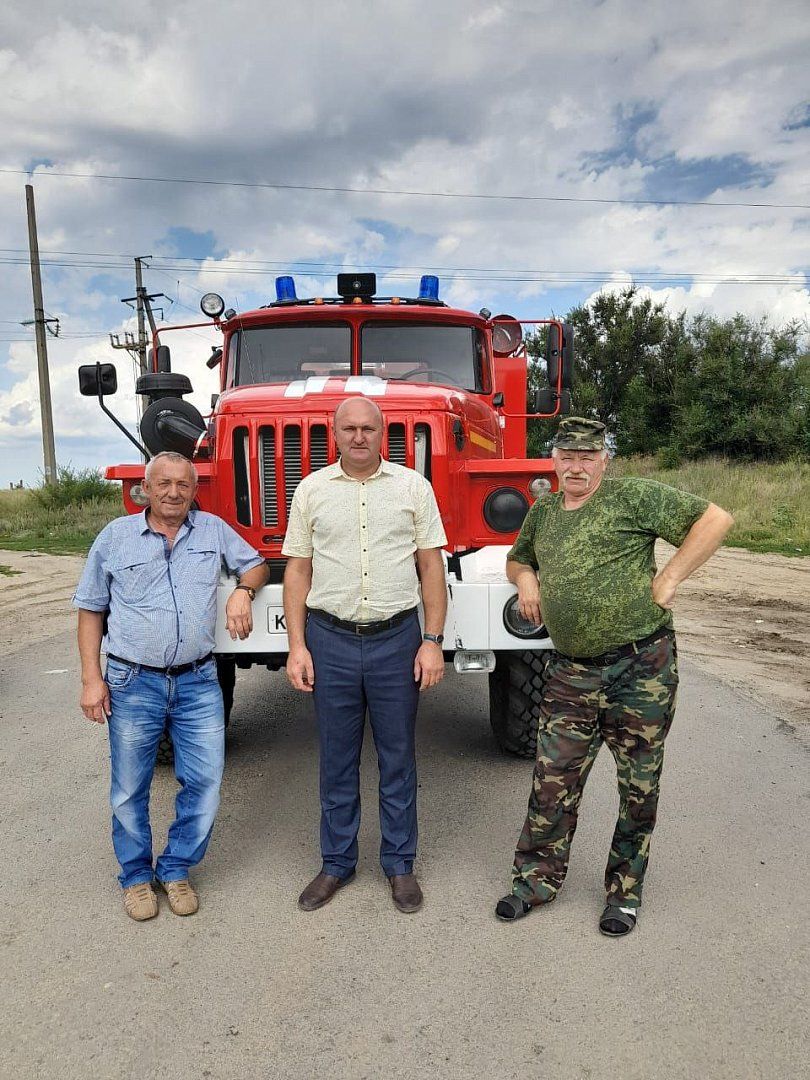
x,y
338,474
145,527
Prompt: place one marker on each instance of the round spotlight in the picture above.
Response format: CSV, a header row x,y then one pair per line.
x,y
504,509
539,487
517,625
212,305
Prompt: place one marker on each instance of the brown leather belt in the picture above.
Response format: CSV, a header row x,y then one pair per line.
x,y
363,629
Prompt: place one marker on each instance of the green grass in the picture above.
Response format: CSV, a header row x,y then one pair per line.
x,y
27,525
6,570
770,501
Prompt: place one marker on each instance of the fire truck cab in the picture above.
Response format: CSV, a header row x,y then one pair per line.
x,y
452,387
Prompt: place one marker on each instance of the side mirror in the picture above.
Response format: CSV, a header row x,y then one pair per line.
x,y
215,357
97,380
560,350
545,401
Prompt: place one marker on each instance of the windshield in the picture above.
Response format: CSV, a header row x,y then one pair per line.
x,y
423,352
270,354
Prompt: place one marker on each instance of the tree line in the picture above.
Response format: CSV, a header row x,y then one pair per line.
x,y
683,387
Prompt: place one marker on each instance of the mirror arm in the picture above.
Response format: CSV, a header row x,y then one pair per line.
x,y
118,423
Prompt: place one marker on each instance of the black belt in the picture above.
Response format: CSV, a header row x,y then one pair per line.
x,y
621,652
363,628
178,669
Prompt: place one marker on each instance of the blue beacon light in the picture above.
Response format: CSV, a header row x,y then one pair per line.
x,y
285,288
429,287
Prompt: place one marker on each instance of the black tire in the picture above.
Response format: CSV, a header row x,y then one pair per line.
x,y
515,688
226,674
165,753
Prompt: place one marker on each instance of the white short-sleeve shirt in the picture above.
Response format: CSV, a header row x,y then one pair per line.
x,y
361,536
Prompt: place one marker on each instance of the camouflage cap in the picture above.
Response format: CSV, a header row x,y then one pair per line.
x,y
579,433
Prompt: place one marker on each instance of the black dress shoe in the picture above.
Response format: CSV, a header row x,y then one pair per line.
x,y
321,890
405,893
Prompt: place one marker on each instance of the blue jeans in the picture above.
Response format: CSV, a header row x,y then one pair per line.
x,y
353,674
143,704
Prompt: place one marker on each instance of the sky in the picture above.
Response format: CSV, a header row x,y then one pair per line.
x,y
529,153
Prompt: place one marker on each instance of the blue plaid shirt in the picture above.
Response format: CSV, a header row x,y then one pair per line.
x,y
161,601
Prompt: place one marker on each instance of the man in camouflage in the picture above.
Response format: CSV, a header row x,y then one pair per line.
x,y
584,563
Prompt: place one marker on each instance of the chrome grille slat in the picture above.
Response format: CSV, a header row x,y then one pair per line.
x,y
396,443
318,447
293,470
267,476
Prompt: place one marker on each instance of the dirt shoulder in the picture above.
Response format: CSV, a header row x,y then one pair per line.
x,y
746,619
743,617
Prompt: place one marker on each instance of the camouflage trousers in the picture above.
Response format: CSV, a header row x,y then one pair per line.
x,y
629,705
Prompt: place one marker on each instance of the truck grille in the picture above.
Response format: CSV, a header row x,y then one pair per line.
x,y
295,466
396,443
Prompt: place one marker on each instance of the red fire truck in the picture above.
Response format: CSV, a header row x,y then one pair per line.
x,y
452,387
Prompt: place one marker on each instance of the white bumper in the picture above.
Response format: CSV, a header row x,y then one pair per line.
x,y
474,612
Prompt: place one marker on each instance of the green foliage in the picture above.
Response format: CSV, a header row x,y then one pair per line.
x,y
770,500
684,388
7,571
75,488
46,519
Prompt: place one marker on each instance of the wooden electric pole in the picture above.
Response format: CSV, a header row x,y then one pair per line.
x,y
48,449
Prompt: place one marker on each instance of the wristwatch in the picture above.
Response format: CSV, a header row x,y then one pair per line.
x,y
436,638
249,590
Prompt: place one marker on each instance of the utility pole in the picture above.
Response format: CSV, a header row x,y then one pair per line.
x,y
138,349
48,448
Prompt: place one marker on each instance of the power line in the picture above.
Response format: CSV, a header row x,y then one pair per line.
x,y
398,191
563,277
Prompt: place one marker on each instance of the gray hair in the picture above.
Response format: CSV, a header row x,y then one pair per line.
x,y
169,455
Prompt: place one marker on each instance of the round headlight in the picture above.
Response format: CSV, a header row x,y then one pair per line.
x,y
540,486
138,495
504,509
212,305
517,625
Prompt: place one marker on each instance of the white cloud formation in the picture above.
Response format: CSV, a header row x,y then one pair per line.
x,y
594,100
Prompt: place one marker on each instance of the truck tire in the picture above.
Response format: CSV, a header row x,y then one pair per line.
x,y
226,674
515,688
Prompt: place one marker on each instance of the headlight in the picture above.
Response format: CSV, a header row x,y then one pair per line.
x,y
539,487
504,509
517,625
138,495
212,305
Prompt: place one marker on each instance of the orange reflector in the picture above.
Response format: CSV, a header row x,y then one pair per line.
x,y
318,300
357,299
394,299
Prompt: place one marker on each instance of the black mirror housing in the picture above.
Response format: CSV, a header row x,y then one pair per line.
x,y
560,350
97,379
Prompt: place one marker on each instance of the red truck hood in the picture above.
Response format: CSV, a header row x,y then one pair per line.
x,y
324,395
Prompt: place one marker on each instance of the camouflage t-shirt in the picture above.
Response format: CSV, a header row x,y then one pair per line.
x,y
595,564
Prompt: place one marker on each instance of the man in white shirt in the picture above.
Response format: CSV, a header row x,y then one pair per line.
x,y
363,535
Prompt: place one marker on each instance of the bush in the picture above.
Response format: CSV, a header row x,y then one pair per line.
x,y
76,487
668,458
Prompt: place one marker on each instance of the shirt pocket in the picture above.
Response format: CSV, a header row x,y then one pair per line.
x,y
138,581
202,565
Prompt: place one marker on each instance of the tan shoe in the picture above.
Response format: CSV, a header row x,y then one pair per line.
x,y
140,902
182,898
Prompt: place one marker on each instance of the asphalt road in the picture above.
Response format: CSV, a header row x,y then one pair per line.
x,y
712,984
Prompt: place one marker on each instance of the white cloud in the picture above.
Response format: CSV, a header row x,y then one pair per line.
x,y
598,101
